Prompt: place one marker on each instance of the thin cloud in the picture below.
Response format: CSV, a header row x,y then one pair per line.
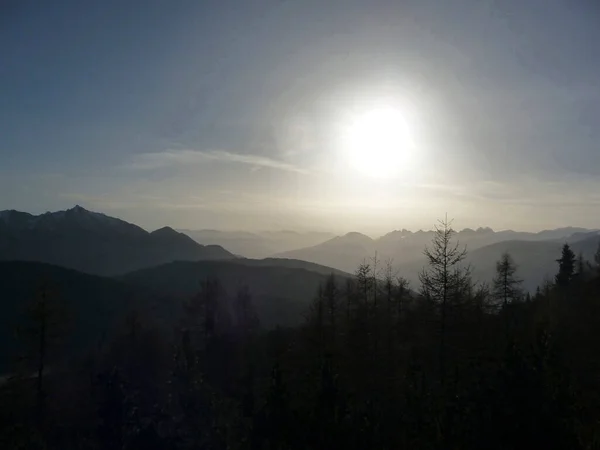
x,y
171,158
224,201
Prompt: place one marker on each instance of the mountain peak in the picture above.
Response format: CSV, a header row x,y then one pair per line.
x,y
83,215
76,211
353,238
355,235
110,245
402,232
165,231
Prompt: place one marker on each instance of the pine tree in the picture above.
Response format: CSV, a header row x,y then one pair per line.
x,y
331,296
444,281
364,295
364,283
47,318
402,295
350,293
388,286
507,286
374,285
201,311
246,317
326,406
277,410
566,267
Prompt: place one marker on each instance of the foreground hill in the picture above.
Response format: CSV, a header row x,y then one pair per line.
x,y
293,264
96,306
93,305
94,243
281,294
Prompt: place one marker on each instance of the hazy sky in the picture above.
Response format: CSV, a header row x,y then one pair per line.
x,y
226,114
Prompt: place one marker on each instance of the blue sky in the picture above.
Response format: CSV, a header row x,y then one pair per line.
x,y
222,114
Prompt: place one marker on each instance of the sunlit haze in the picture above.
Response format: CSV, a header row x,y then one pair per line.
x,y
310,115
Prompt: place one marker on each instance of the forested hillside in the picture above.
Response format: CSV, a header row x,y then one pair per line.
x,y
376,363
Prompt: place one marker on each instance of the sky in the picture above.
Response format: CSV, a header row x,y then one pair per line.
x,y
227,114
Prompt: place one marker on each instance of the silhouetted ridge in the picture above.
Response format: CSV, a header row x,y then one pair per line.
x,y
94,242
165,232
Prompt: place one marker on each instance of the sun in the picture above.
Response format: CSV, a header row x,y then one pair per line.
x,y
377,142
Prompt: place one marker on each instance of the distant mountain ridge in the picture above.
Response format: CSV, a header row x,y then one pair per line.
x,y
259,244
536,260
95,243
76,217
535,253
98,244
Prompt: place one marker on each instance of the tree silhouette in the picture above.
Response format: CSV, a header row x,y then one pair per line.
x,y
246,316
47,316
507,286
566,265
444,280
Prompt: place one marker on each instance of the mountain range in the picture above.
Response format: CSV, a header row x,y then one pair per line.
x,y
535,253
103,266
95,243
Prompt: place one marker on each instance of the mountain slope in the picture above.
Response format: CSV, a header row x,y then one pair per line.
x,y
536,260
259,244
94,305
280,294
293,264
94,243
342,252
405,248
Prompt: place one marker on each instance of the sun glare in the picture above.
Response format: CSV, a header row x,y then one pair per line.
x,y
377,142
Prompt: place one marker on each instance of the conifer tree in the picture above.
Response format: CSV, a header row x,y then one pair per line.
x,y
507,286
331,297
566,265
444,280
47,320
